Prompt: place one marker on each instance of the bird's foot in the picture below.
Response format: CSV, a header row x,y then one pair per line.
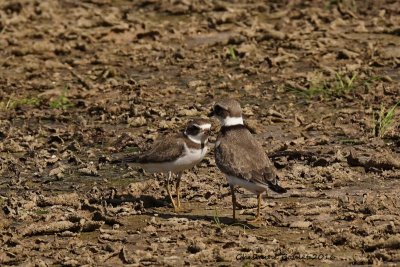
x,y
177,209
183,209
257,219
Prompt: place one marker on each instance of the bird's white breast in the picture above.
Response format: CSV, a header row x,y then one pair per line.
x,y
187,160
190,158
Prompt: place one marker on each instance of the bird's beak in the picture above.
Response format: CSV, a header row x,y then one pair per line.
x,y
211,114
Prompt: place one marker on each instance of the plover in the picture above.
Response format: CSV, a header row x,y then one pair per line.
x,y
240,157
175,153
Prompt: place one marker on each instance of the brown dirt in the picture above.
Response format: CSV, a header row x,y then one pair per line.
x,y
84,81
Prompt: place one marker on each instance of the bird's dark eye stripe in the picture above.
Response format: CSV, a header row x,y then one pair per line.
x,y
218,110
193,130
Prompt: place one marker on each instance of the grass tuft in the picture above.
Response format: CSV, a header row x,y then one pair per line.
x,y
62,101
343,84
26,101
220,225
383,120
217,220
339,86
232,53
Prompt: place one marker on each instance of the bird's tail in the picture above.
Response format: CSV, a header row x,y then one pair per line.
x,y
276,187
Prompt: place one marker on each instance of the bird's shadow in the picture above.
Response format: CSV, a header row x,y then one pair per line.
x,y
150,202
147,201
226,221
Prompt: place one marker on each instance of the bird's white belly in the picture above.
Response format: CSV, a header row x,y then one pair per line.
x,y
190,158
252,187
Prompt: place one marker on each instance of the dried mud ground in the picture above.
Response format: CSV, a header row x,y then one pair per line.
x,y
82,82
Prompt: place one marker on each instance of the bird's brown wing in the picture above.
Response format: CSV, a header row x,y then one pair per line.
x,y
165,149
240,155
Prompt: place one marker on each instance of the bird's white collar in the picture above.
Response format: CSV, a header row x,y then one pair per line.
x,y
231,121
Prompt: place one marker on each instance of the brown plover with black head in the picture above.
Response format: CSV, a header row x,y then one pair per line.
x,y
240,157
175,153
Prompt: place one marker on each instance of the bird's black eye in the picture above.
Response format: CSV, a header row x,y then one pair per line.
x,y
192,130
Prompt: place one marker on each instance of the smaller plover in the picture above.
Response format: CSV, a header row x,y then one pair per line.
x,y
172,154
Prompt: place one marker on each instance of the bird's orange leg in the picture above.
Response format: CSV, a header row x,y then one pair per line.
x,y
258,217
178,193
169,191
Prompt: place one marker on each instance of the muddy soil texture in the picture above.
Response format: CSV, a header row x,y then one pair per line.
x,y
83,82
